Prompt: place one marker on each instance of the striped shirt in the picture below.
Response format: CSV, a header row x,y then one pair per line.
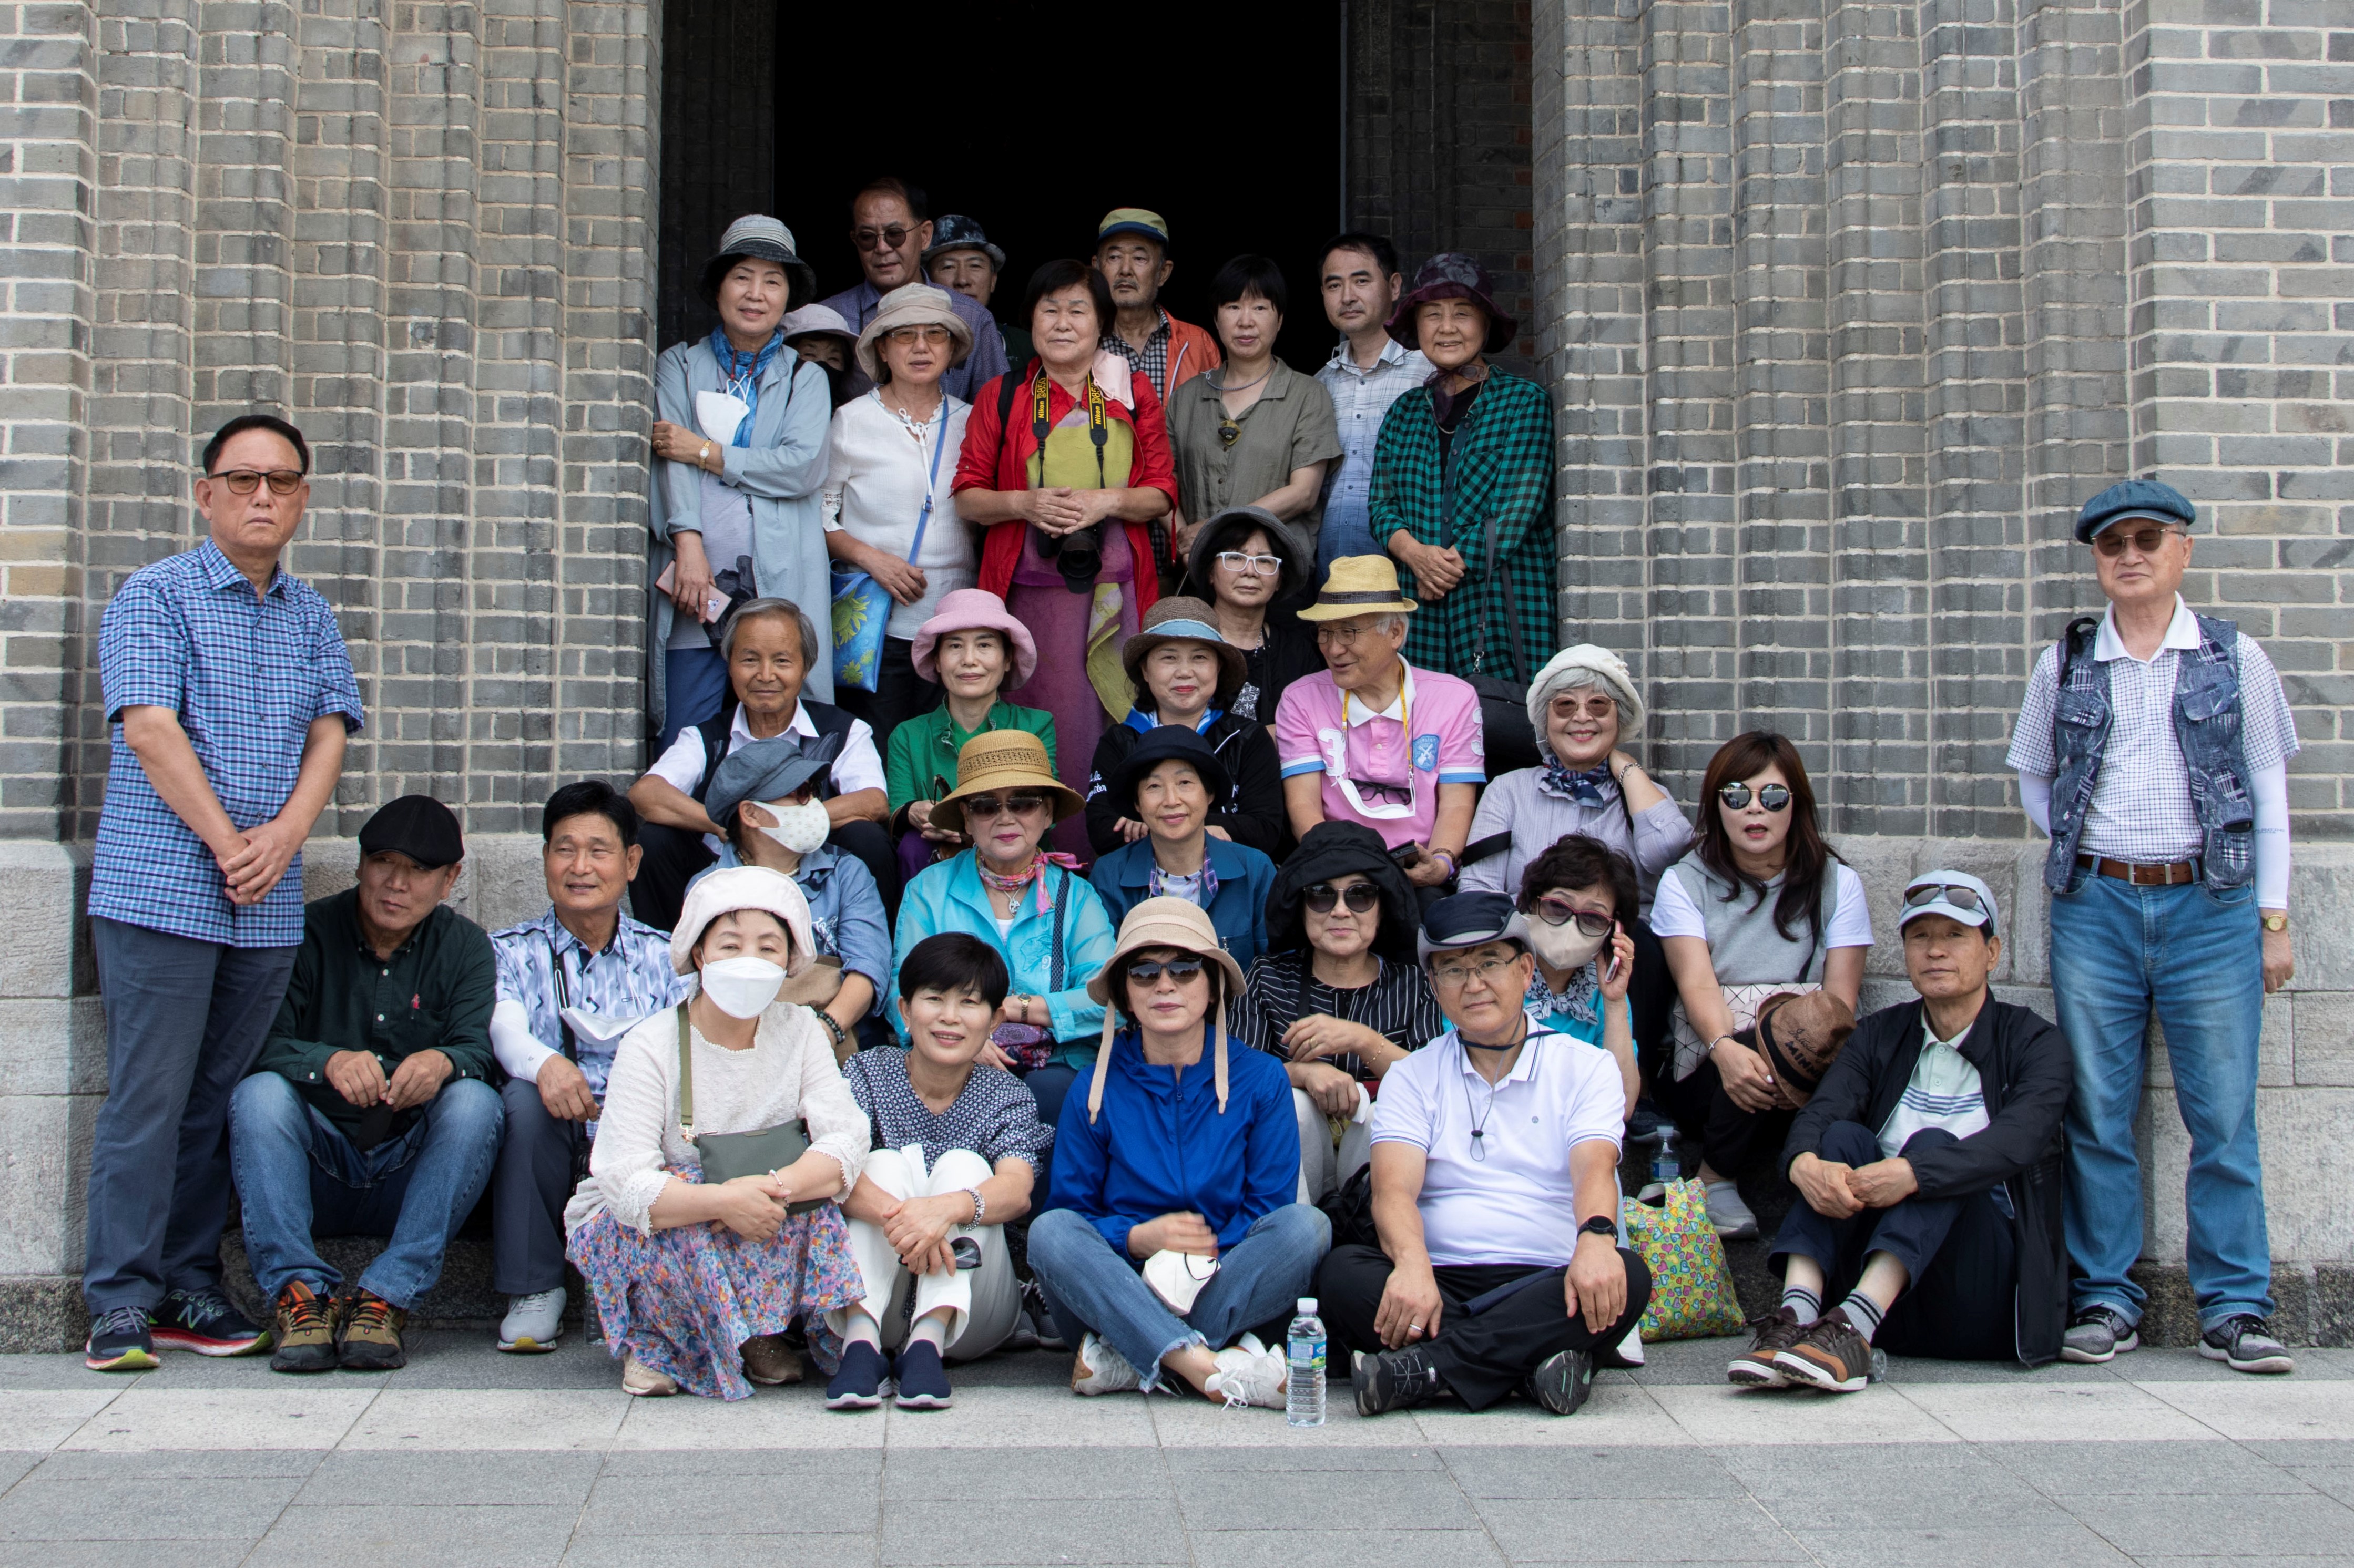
x,y
631,978
247,675
1944,1092
1283,989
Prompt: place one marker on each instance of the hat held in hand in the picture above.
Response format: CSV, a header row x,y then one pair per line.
x,y
1800,1034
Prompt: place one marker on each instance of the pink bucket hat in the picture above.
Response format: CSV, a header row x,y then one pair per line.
x,y
974,609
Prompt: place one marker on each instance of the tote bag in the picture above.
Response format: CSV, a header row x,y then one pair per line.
x,y
1693,1296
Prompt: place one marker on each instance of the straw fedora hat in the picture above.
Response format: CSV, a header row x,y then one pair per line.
x,y
1360,584
913,304
1002,760
1178,923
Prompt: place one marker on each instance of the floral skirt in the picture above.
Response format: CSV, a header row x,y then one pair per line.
x,y
683,1300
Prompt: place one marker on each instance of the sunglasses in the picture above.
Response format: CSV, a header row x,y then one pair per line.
x,y
868,239
1150,972
1241,564
1935,892
246,480
1773,797
1017,805
1359,896
2145,541
1561,912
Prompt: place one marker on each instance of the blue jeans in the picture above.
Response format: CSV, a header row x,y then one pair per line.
x,y
297,1174
1090,1286
2197,956
694,682
1344,532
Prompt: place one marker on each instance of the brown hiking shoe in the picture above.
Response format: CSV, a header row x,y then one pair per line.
x,y
1831,1356
1755,1368
371,1338
769,1362
306,1331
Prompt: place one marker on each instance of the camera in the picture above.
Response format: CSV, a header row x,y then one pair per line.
x,y
1079,557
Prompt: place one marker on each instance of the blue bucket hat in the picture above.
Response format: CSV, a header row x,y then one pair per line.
x,y
955,231
2134,498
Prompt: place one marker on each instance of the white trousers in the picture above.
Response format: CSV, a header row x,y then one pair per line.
x,y
983,1303
1322,1168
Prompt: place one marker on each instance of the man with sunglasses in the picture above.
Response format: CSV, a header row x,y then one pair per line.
x,y
2153,747
1928,1170
230,693
889,229
1495,1194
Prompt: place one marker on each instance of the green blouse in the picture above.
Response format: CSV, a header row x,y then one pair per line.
x,y
923,761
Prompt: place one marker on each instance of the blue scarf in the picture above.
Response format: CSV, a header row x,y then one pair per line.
x,y
1594,787
740,373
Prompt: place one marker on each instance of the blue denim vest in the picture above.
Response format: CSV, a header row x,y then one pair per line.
x,y
2206,725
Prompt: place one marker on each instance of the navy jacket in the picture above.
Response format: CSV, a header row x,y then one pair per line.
x,y
1123,879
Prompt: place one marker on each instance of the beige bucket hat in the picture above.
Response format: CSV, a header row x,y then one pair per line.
x,y
1178,923
912,305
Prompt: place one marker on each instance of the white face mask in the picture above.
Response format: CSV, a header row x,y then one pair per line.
x,y
742,987
1562,947
799,828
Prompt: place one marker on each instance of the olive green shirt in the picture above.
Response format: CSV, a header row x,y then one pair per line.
x,y
923,761
1290,426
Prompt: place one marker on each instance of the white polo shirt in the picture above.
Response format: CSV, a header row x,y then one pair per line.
x,y
858,766
1518,1204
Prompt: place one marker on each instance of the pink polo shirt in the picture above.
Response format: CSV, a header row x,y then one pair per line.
x,y
1319,728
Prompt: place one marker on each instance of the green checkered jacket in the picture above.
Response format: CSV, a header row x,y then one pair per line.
x,y
1504,461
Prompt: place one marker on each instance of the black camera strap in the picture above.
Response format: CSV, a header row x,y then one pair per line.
x,y
1041,426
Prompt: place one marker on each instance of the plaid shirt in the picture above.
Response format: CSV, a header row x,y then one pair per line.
x,y
1151,361
1502,458
630,978
247,677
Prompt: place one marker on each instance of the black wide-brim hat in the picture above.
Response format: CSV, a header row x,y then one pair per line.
x,y
763,238
1451,275
1331,849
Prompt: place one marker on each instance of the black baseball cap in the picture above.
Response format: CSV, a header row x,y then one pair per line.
x,y
417,826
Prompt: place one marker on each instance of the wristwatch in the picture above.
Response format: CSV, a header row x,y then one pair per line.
x,y
1600,1225
2275,922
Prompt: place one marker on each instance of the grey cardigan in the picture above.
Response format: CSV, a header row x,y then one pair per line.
x,y
1538,821
780,472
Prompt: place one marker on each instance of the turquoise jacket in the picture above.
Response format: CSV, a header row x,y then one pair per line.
x,y
948,896
1245,882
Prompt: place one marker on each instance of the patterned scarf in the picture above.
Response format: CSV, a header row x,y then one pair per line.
x,y
1036,872
741,373
1575,1000
1209,882
1593,787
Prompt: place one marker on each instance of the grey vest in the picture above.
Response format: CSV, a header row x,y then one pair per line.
x,y
2207,726
1743,947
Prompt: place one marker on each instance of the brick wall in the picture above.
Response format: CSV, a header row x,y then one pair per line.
x,y
1854,302
424,232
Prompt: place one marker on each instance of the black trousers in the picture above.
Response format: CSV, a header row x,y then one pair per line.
x,y
1957,1253
674,855
1726,1136
899,695
529,1187
1651,998
1483,1355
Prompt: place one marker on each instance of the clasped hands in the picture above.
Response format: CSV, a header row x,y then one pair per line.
x,y
1836,1192
359,1077
1060,510
917,1230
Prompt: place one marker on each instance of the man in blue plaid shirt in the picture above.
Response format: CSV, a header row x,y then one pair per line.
x,y
229,693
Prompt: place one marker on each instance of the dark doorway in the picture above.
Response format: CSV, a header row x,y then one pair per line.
x,y
1231,133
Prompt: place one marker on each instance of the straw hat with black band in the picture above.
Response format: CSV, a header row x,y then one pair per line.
x,y
1360,584
1180,924
758,237
909,305
999,760
1181,619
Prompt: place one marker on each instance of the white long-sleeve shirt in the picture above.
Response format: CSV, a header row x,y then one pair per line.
x,y
788,1072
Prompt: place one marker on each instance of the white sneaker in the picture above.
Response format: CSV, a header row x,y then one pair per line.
x,y
1099,1369
1726,1212
1178,1278
641,1381
532,1323
1244,1378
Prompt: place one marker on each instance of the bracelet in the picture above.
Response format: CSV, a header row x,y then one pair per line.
x,y
980,1204
704,456
832,1025
1454,867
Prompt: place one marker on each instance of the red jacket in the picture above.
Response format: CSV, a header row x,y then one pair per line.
x,y
1191,350
994,459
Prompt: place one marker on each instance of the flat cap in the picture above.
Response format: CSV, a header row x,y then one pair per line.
x,y
2134,498
417,826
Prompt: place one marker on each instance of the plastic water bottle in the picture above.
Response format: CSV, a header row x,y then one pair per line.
x,y
1304,1350
1667,1166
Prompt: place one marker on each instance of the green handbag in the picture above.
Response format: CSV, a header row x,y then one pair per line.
x,y
727,1155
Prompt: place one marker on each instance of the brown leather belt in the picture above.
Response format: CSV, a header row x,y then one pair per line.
x,y
2143,876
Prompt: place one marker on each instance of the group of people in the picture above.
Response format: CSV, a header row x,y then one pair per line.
x,y
1123,964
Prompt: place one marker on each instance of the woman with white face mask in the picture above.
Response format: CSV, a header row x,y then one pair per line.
x,y
695,1281
768,796
1576,896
